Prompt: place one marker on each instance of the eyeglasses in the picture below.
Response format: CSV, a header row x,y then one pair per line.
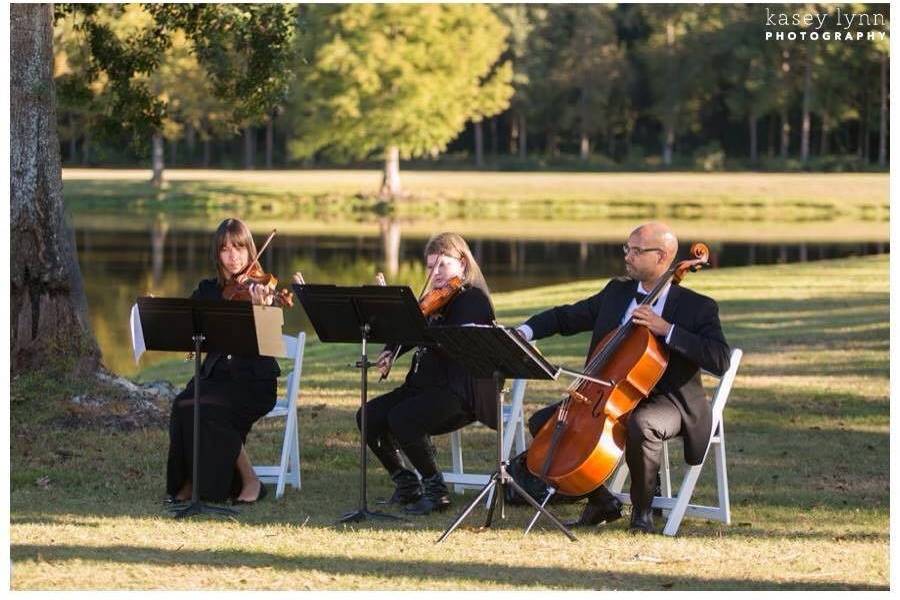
x,y
626,249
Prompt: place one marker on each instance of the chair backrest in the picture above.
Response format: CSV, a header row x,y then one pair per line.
x,y
723,390
294,347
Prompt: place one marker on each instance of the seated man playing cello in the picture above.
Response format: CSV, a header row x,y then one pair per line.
x,y
687,324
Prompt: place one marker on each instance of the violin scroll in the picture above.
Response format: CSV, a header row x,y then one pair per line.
x,y
700,251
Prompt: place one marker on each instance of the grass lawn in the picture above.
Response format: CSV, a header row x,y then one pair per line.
x,y
807,434
746,207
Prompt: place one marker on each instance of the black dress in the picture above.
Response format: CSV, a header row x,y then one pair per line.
x,y
235,392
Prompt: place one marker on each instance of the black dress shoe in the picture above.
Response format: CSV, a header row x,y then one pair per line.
x,y
641,521
594,514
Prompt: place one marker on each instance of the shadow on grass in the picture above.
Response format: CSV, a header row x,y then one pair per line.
x,y
432,575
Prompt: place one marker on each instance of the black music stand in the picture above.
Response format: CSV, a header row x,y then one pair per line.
x,y
497,352
182,324
369,313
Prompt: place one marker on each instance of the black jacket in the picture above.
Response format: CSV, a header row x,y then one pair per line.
x,y
243,368
697,343
469,306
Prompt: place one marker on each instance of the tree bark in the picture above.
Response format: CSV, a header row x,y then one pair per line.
x,y
785,133
669,145
494,140
826,131
207,152
390,182
523,136
806,125
249,148
48,310
882,132
754,147
157,159
479,144
190,138
270,141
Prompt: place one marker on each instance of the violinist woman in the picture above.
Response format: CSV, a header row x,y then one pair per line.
x,y
438,395
235,392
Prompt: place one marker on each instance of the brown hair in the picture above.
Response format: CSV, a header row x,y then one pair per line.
x,y
237,232
453,244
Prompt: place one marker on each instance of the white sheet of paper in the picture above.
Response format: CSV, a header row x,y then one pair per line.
x,y
137,334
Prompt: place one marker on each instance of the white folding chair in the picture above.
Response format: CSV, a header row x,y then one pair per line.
x,y
288,470
680,506
513,433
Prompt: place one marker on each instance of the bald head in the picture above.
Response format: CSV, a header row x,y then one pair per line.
x,y
658,235
661,247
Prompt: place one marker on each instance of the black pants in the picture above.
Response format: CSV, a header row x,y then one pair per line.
x,y
405,418
654,420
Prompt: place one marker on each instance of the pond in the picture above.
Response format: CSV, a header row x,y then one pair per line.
x,y
168,258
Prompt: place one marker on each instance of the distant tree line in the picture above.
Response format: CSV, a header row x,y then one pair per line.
x,y
576,86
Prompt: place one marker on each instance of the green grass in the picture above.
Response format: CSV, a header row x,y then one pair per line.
x,y
749,207
807,434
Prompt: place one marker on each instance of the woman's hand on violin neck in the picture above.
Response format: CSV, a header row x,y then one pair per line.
x,y
383,362
261,294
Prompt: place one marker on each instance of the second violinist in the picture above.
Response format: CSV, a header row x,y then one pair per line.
x,y
438,395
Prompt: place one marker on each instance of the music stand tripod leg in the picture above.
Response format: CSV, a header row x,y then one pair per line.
x,y
363,512
490,485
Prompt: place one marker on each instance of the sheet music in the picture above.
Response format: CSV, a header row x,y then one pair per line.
x,y
137,334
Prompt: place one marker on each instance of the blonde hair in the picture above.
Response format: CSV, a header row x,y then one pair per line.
x,y
453,244
236,232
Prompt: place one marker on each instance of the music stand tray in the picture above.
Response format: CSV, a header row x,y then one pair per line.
x,y
183,324
363,314
497,352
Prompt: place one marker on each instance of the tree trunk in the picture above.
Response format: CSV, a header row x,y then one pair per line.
x,y
86,149
523,136
513,134
270,141
882,131
390,182
479,144
863,125
785,133
48,310
585,147
173,152
669,145
249,148
807,100
157,159
770,140
754,149
207,152
826,131
494,140
190,138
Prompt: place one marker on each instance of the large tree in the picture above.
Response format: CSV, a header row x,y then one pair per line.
x,y
395,80
243,49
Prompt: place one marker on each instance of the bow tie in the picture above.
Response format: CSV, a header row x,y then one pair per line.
x,y
639,298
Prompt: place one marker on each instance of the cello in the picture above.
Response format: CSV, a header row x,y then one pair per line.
x,y
580,448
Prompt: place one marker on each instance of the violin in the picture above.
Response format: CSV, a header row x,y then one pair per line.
x,y
430,304
579,449
238,287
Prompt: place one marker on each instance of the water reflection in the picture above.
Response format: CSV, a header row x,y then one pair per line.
x,y
165,260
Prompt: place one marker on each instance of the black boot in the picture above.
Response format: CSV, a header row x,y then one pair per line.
x,y
407,490
436,496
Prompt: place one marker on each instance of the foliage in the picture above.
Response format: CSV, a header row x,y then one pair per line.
x,y
410,76
242,48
